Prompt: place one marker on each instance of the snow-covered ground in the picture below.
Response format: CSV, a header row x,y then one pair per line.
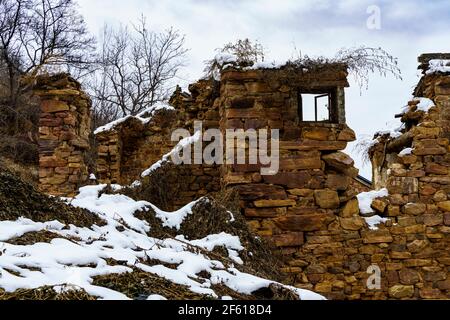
x,y
78,254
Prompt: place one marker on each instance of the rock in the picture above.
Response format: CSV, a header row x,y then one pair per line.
x,y
444,285
400,255
316,133
307,222
347,135
433,219
305,160
444,206
297,180
324,287
417,245
440,196
435,168
430,293
354,223
351,208
274,203
338,160
378,205
447,219
417,263
402,185
301,192
337,182
254,191
313,145
409,276
327,199
264,212
393,211
414,208
316,269
51,106
377,236
288,239
401,291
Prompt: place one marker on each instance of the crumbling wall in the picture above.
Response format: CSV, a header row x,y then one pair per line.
x,y
309,209
64,129
132,146
416,174
128,148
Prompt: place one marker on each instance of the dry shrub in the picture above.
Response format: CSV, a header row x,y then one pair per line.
x,y
212,215
30,238
139,285
162,187
19,150
21,199
45,293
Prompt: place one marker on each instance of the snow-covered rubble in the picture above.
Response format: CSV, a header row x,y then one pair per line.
x,y
438,65
365,200
76,255
144,116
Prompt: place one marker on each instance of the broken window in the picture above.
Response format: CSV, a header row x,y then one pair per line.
x,y
316,106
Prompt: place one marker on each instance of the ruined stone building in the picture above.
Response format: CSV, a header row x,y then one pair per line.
x,y
309,209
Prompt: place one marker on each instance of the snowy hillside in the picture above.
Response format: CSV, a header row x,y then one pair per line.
x,y
67,257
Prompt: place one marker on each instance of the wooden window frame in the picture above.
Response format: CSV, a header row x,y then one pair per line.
x,y
332,103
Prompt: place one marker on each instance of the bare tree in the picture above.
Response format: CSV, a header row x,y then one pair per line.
x,y
136,68
43,35
243,52
361,63
36,36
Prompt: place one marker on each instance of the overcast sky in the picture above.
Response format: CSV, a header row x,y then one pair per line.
x,y
407,28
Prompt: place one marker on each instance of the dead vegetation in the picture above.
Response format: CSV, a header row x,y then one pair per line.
x,y
46,293
34,237
220,213
212,215
139,285
20,199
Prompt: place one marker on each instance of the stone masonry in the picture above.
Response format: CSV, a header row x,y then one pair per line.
x,y
64,129
309,209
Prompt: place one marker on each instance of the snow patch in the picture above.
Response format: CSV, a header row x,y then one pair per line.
x,y
405,152
374,221
144,116
365,199
183,143
176,218
424,104
438,65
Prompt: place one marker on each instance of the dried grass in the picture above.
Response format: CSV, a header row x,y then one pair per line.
x,y
21,199
45,293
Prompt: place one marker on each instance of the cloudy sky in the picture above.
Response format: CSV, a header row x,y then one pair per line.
x,y
406,29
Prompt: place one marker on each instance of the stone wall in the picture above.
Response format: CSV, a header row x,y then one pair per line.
x,y
64,129
415,169
309,209
133,145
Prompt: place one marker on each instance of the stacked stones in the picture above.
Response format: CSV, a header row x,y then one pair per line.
x,y
419,184
130,147
64,129
200,104
299,207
